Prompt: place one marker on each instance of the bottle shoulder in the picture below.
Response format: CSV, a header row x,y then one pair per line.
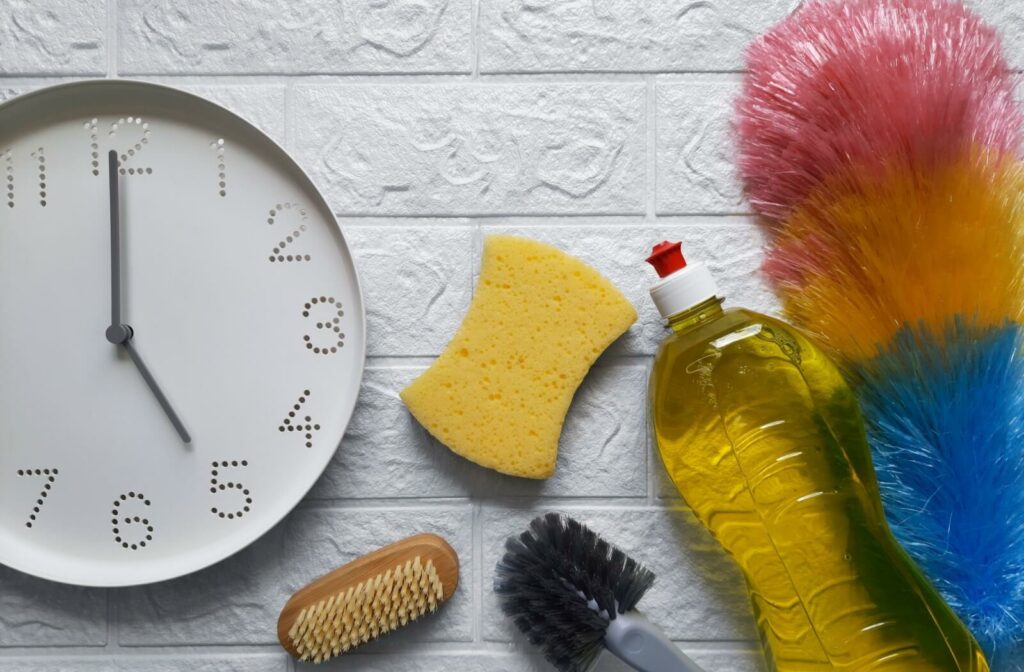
x,y
730,320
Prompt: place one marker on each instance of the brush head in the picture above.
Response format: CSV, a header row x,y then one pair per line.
x,y
864,84
949,452
869,254
880,138
550,580
368,597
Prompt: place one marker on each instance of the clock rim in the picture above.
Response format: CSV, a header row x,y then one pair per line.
x,y
247,540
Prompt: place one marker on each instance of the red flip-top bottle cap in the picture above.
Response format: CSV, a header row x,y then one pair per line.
x,y
667,258
682,286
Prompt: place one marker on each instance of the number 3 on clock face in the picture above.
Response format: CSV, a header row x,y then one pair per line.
x,y
238,298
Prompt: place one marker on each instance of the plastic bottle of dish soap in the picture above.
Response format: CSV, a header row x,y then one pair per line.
x,y
765,442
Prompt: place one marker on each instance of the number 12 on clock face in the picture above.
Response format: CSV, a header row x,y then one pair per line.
x,y
183,333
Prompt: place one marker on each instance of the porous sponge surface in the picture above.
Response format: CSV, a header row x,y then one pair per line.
x,y
499,392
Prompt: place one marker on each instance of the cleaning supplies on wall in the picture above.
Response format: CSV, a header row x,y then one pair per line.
x,y
499,392
879,140
368,597
573,595
765,442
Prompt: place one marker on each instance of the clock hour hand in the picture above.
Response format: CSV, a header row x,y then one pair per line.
x,y
119,333
157,392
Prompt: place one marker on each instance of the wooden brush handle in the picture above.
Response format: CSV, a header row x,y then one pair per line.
x,y
428,547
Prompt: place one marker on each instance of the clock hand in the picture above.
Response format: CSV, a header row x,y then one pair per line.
x,y
157,392
119,333
115,243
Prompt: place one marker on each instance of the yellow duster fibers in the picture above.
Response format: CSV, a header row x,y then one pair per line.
x,y
867,256
499,392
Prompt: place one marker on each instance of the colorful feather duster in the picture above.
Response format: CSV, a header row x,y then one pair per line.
x,y
878,140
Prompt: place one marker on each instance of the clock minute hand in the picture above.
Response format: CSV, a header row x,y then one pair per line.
x,y
119,333
157,392
115,242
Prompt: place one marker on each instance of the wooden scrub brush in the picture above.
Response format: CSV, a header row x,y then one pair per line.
x,y
368,597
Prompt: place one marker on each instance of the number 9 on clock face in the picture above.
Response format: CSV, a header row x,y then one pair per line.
x,y
207,282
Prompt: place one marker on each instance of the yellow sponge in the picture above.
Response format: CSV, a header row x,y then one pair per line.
x,y
499,392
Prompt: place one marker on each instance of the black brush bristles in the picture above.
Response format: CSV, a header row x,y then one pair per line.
x,y
549,575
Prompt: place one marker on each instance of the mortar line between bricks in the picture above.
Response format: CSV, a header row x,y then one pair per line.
x,y
722,219
467,79
314,77
478,573
384,647
289,91
449,502
206,648
476,253
505,215
153,650
650,164
474,38
391,361
391,78
485,222
552,73
387,647
653,460
112,45
387,78
637,503
566,217
463,77
113,627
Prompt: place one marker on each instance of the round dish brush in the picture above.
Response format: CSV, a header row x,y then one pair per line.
x,y
573,595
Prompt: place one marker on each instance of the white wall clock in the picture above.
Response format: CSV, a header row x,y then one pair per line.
x,y
242,301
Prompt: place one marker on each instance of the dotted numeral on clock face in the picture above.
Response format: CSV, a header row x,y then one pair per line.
x,y
283,252
39,174
131,529
330,312
49,476
40,157
9,176
129,150
218,486
302,424
222,175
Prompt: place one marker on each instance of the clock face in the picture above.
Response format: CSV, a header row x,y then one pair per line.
x,y
244,306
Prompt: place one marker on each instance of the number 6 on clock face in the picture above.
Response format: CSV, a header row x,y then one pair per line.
x,y
237,308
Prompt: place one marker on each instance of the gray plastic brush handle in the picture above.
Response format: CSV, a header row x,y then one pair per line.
x,y
643,645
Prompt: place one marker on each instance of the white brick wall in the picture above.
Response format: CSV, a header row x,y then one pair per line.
x,y
598,125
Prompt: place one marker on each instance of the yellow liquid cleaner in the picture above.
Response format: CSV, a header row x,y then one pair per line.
x,y
764,440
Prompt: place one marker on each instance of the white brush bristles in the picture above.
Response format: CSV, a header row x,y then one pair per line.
x,y
366,611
